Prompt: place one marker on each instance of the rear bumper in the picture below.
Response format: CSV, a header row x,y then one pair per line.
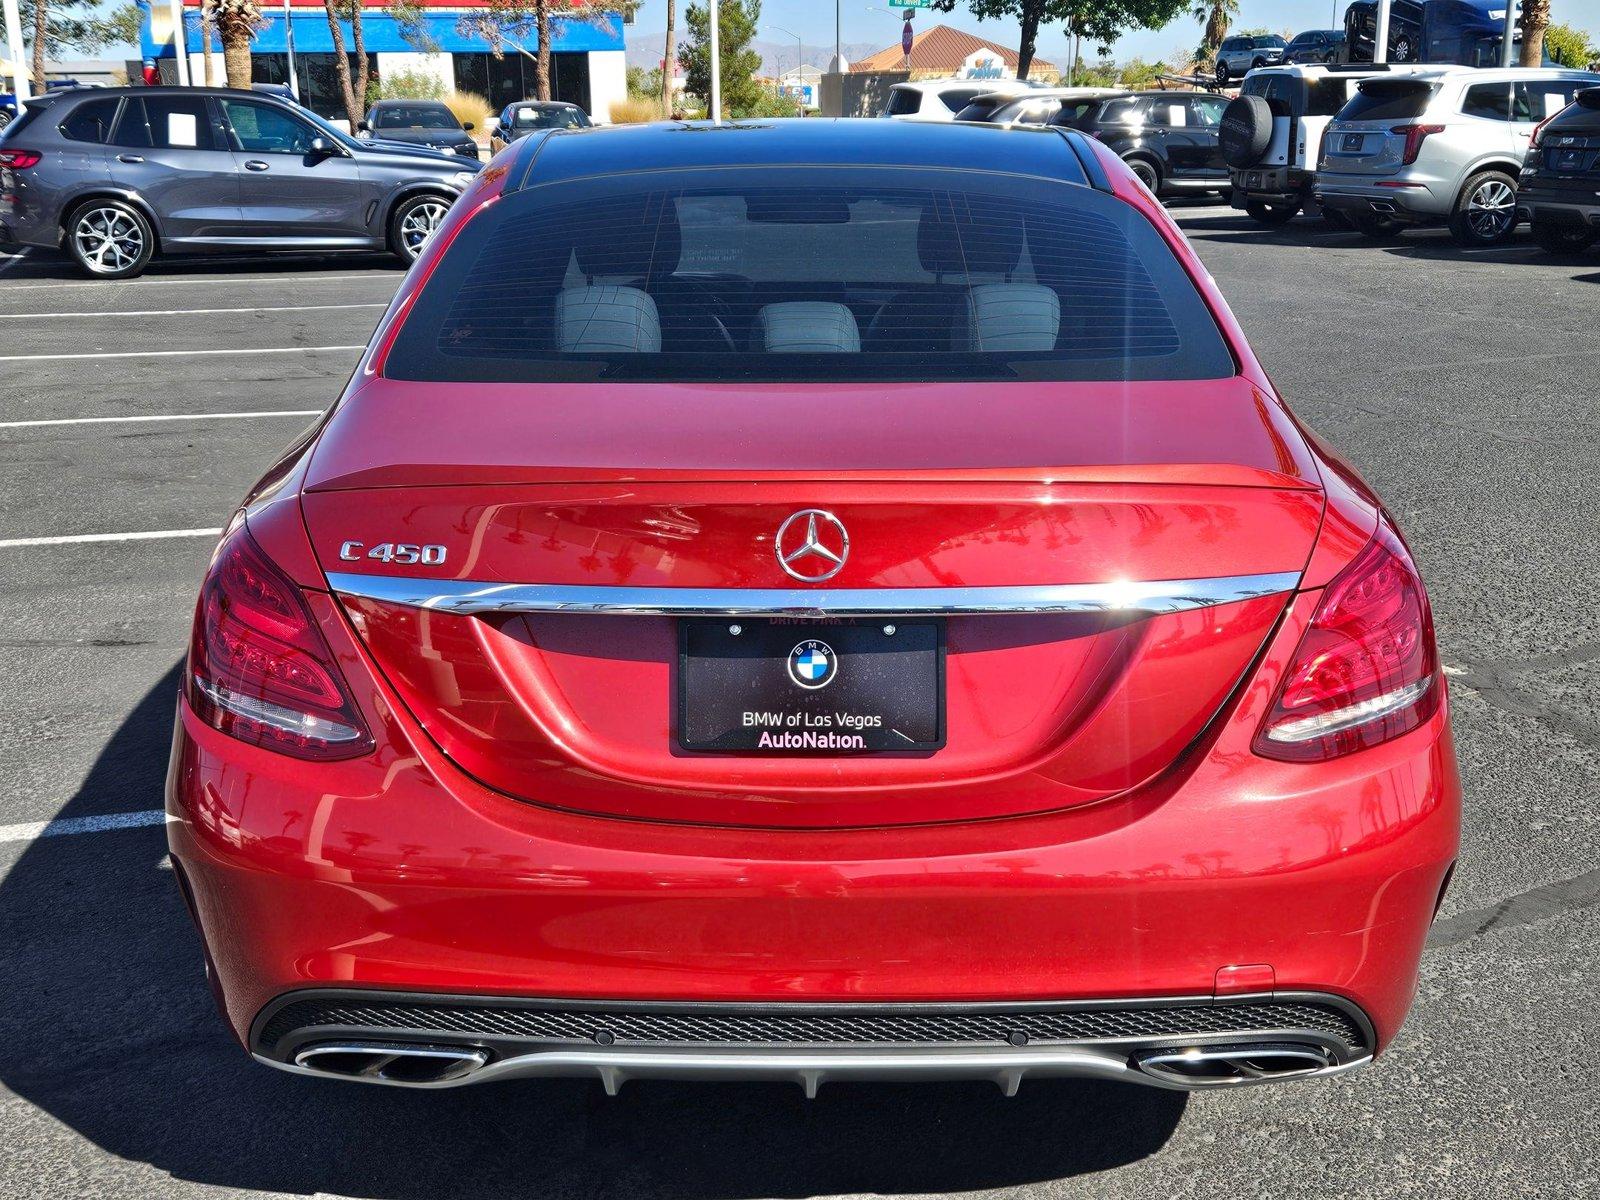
x,y
1271,184
1564,208
1422,200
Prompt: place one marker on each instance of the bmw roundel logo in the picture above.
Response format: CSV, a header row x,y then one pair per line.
x,y
813,664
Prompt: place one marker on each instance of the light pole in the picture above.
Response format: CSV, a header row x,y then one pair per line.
x,y
799,60
715,99
14,46
288,43
1380,34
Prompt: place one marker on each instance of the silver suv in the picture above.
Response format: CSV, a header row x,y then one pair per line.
x,y
1438,146
1238,55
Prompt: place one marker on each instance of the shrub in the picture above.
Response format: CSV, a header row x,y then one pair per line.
x,y
635,110
412,85
469,108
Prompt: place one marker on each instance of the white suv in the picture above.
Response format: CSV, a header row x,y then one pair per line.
x,y
942,99
1440,145
1271,131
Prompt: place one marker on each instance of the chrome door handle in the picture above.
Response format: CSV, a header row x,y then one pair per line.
x,y
255,164
130,158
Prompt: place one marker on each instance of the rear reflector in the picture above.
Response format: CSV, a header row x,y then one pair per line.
x,y
258,669
1367,669
20,159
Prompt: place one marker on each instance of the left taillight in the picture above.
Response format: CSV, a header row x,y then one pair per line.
x,y
1415,135
20,159
259,670
1366,669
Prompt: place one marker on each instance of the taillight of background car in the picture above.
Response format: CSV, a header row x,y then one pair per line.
x,y
1415,135
258,668
20,160
1367,668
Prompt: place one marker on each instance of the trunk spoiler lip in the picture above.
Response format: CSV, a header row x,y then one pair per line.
x,y
1131,597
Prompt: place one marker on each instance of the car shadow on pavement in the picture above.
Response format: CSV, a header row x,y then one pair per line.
x,y
109,1028
46,266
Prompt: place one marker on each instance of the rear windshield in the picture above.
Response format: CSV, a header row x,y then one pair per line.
x,y
904,102
546,118
809,275
1388,100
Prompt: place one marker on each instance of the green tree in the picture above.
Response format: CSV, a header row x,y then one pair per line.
x,y
507,25
1097,21
237,22
1214,16
742,96
80,25
354,91
1569,46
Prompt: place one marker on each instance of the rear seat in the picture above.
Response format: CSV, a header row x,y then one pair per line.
x,y
807,327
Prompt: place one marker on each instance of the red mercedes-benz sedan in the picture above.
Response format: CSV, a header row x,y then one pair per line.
x,y
812,600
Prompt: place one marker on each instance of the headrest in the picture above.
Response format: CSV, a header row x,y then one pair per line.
x,y
1009,317
807,327
984,241
642,244
607,320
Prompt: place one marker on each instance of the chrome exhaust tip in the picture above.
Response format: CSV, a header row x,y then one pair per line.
x,y
396,1063
1382,206
1225,1066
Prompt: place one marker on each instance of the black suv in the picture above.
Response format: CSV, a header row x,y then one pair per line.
x,y
1560,183
1168,138
1315,46
114,175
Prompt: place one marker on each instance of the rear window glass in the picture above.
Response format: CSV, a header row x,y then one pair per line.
x,y
1387,100
752,275
959,98
91,122
1325,97
904,102
166,123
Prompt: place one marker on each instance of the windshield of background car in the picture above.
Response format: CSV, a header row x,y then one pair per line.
x,y
1388,100
546,118
815,274
414,116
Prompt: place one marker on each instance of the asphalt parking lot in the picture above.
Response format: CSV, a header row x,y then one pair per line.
x,y
1461,384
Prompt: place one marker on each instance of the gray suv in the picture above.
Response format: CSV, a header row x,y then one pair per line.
x,y
1442,145
115,175
1238,55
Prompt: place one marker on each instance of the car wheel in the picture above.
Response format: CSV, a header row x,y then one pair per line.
x,y
413,222
1268,213
110,239
1372,225
1147,174
5,117
1558,237
1257,63
1402,50
1486,210
1222,71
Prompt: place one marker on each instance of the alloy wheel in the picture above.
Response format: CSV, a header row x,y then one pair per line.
x,y
108,240
419,224
1490,209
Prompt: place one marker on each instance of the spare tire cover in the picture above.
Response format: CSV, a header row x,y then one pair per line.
x,y
1246,131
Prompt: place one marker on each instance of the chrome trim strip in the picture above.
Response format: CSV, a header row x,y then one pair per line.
x,y
1147,597
811,1068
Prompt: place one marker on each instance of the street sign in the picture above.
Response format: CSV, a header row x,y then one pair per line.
x,y
910,3
905,40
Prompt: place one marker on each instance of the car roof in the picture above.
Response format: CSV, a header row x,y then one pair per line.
x,y
995,86
541,104
1056,93
816,142
1499,74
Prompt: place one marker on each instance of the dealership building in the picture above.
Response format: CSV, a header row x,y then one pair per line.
x,y
587,63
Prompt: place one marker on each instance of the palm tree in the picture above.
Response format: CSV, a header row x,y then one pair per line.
x,y
669,64
1215,16
237,22
1535,20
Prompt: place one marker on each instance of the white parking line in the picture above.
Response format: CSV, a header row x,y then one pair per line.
x,y
149,535
231,416
66,826
184,312
173,353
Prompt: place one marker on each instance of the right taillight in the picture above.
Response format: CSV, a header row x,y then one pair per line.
x,y
20,159
1367,668
1415,135
259,670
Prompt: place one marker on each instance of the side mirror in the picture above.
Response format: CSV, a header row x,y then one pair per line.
x,y
322,148
363,127
468,126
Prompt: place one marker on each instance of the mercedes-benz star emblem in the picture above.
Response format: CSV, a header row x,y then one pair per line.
x,y
820,553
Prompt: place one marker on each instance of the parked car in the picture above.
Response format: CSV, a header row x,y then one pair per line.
x,y
1442,145
1315,46
529,116
116,175
1272,132
512,744
1560,181
1168,139
942,99
1042,106
1405,31
421,123
1237,55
